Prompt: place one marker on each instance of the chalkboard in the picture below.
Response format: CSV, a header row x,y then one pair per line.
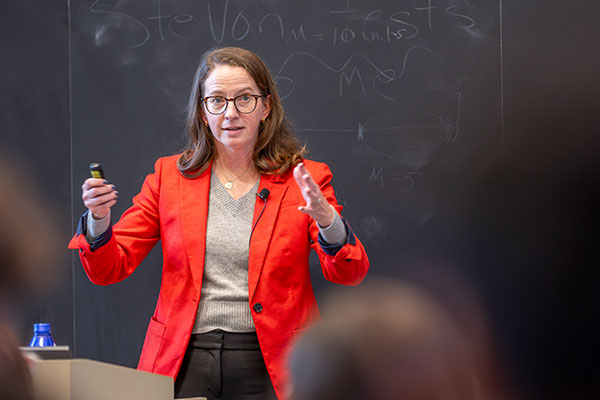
x,y
392,95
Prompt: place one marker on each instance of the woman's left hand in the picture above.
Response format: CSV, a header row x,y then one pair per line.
x,y
317,205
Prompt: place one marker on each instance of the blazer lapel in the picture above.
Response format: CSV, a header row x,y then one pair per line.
x,y
194,215
261,237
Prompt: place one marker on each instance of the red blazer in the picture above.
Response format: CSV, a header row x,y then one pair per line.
x,y
174,209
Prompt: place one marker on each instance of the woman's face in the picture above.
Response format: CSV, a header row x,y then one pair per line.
x,y
232,130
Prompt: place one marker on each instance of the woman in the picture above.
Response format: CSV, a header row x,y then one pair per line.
x,y
237,213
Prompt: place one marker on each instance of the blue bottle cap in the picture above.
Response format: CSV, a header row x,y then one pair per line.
x,y
41,327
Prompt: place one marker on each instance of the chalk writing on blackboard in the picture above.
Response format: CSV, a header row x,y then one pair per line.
x,y
382,75
225,23
406,180
417,92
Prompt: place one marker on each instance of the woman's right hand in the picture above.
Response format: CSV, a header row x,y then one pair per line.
x,y
98,196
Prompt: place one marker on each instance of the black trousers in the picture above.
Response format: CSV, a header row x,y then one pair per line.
x,y
222,365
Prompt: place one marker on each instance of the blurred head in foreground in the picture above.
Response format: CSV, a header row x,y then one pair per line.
x,y
28,243
15,381
384,341
28,248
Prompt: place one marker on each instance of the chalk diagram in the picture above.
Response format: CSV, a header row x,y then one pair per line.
x,y
407,110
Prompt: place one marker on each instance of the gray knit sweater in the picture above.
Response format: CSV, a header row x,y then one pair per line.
x,y
224,302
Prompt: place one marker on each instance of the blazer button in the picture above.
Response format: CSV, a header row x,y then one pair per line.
x,y
258,307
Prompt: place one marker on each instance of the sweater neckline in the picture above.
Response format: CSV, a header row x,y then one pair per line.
x,y
247,200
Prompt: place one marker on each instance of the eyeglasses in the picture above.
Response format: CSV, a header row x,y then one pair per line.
x,y
244,103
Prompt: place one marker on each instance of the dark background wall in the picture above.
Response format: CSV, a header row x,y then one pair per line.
x,y
462,136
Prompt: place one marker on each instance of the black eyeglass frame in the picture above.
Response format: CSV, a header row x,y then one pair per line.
x,y
233,99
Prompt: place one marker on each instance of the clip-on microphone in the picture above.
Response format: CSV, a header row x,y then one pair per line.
x,y
264,195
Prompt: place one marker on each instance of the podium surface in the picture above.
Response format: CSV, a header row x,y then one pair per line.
x,y
82,379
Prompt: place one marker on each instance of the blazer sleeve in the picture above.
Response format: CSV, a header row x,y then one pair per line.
x,y
132,237
348,264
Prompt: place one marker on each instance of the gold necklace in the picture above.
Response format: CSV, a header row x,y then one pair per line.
x,y
229,182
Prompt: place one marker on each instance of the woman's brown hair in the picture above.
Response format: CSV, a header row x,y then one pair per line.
x,y
276,149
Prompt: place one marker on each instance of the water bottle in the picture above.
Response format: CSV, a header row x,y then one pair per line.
x,y
42,336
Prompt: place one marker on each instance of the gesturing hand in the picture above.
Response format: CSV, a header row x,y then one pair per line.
x,y
316,204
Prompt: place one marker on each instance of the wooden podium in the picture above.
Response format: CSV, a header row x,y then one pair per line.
x,y
81,379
